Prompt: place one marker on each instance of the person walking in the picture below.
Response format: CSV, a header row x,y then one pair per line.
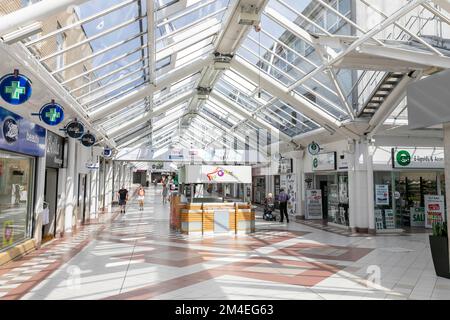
x,y
123,198
283,198
165,192
141,196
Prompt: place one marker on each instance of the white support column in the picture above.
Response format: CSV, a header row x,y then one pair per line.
x,y
447,170
108,186
70,186
370,190
299,178
94,194
39,200
36,12
360,175
60,211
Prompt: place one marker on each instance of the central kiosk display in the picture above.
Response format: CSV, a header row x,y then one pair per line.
x,y
202,208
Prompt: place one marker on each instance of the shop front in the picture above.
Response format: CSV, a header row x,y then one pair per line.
x,y
326,189
404,194
20,143
54,162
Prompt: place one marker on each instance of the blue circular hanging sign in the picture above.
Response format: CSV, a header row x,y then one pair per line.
x,y
15,88
88,140
52,114
75,129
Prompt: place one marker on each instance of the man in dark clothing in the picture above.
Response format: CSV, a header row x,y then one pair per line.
x,y
123,198
283,198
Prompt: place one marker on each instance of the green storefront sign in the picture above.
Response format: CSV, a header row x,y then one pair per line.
x,y
421,158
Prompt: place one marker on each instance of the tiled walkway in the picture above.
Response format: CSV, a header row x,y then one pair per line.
x,y
137,257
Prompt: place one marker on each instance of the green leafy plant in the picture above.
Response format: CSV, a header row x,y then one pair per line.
x,y
440,229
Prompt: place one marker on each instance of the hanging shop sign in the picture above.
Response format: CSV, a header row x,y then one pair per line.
x,y
423,158
55,150
175,154
434,209
324,162
314,204
382,194
91,165
88,139
417,216
107,152
313,148
21,135
15,88
75,129
51,114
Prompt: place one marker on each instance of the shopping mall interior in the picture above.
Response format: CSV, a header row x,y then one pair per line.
x,y
224,149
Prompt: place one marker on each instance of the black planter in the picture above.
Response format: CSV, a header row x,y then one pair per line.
x,y
439,252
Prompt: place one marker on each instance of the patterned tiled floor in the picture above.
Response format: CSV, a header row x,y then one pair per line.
x,y
137,257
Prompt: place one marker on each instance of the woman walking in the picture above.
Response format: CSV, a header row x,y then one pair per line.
x,y
141,197
165,192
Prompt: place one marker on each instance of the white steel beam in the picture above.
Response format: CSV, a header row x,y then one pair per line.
x,y
148,90
427,59
300,103
374,31
151,39
215,95
166,106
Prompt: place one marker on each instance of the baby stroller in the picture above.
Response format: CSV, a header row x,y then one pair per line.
x,y
268,215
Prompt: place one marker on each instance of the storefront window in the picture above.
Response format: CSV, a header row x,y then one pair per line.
x,y
15,198
400,197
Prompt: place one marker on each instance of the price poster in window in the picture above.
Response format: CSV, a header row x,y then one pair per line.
x,y
434,209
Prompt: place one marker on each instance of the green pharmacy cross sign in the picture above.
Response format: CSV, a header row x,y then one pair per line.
x,y
15,88
51,114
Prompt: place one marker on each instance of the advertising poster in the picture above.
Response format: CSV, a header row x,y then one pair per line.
x,y
314,204
379,225
8,233
382,194
417,216
389,218
288,183
434,209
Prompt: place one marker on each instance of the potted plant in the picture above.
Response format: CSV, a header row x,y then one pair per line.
x,y
439,249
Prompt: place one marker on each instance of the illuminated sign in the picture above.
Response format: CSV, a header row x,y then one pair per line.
x,y
15,88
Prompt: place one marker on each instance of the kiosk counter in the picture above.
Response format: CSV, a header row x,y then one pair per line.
x,y
202,215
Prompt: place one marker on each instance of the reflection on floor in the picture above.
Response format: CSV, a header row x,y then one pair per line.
x,y
137,257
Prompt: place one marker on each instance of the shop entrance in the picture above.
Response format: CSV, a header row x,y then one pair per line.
x,y
324,190
82,186
51,202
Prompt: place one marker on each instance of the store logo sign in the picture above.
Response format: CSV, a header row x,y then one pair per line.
x,y
403,158
313,148
10,130
219,172
315,162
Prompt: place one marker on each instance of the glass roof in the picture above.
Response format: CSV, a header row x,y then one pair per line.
x,y
157,58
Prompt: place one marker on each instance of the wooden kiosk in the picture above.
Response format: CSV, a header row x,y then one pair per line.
x,y
211,215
